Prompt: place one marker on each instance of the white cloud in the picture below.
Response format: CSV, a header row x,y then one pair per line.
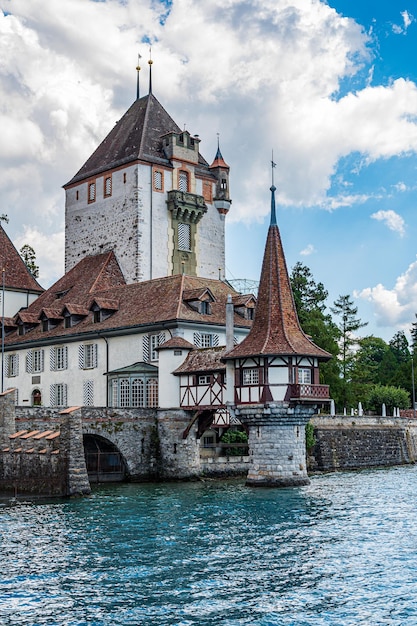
x,y
408,19
391,219
49,250
308,250
395,307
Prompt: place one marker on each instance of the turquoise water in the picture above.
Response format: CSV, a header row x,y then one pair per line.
x,y
342,551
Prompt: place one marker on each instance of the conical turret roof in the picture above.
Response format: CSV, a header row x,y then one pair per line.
x,y
276,329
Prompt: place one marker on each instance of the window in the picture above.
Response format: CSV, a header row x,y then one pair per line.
x,y
205,308
304,376
204,379
77,195
154,346
124,392
208,442
87,356
58,358
92,192
34,361
137,392
184,237
58,394
12,365
152,392
183,180
206,340
250,376
157,180
107,186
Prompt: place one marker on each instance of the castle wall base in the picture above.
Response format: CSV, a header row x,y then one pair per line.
x,y
276,444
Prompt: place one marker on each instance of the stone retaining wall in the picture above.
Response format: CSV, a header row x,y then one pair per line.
x,y
358,442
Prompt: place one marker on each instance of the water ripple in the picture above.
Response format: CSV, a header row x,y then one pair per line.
x,y
340,552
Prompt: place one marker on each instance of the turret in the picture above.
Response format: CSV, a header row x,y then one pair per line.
x,y
221,170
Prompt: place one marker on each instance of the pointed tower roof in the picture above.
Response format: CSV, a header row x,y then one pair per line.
x,y
218,159
137,135
276,329
17,275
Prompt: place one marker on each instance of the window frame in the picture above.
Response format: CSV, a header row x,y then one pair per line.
x,y
250,376
107,182
91,192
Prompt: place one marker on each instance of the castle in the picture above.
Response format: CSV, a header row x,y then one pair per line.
x,y
143,319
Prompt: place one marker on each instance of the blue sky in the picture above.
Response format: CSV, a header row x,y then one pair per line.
x,y
330,87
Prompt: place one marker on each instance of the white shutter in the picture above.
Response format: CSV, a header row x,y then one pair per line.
x,y
161,338
29,362
6,366
65,359
215,341
52,395
95,355
88,393
65,394
81,357
16,369
197,340
42,359
145,344
52,363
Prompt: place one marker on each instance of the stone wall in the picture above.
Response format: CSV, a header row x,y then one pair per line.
x,y
357,442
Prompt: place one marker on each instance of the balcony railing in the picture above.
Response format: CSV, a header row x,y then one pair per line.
x,y
304,391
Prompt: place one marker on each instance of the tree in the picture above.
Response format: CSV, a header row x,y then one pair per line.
x,y
310,301
4,218
349,323
28,256
392,397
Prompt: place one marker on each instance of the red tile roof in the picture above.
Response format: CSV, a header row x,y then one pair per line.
x,y
176,342
16,275
136,136
140,304
203,360
276,329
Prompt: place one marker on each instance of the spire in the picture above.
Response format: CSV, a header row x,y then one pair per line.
x,y
276,329
218,159
150,69
137,78
273,190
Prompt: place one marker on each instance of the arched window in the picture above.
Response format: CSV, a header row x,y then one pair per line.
x,y
137,392
152,392
124,392
36,397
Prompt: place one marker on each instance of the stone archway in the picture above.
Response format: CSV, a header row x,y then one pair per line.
x,y
104,460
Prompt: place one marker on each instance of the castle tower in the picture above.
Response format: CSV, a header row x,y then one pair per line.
x,y
276,367
148,194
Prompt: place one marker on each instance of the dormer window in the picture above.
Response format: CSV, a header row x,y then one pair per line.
x,y
73,314
181,138
205,308
103,308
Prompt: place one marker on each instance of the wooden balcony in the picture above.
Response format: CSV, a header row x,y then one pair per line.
x,y
308,393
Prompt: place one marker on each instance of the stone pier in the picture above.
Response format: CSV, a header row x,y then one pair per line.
x,y
276,444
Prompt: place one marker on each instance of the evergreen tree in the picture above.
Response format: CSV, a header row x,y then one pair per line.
x,y
310,301
4,218
28,256
349,323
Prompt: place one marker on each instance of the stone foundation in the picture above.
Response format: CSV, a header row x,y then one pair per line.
x,y
276,444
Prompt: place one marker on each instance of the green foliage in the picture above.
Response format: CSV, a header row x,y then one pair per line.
x,y
390,396
4,218
28,256
234,436
309,298
310,438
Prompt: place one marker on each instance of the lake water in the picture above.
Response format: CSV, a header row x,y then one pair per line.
x,y
341,551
